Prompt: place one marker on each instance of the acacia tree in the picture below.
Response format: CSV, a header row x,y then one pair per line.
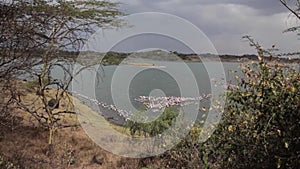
x,y
16,44
38,32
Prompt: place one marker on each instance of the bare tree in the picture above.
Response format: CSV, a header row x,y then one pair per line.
x,y
15,46
39,33
294,8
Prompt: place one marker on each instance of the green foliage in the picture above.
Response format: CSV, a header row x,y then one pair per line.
x,y
64,23
260,128
113,58
187,154
162,123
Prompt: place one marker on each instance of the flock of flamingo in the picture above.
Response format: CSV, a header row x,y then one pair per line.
x,y
153,104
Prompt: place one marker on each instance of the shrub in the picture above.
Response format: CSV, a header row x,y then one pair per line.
x,y
260,127
162,123
187,154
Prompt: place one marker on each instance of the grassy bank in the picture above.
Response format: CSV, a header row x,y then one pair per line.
x,y
25,144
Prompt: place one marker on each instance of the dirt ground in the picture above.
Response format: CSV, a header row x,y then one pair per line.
x,y
26,144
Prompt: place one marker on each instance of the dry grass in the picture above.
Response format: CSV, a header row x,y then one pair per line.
x,y
26,145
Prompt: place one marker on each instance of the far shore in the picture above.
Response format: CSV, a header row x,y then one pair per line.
x,y
116,58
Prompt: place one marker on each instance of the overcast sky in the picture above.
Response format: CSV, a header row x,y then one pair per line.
x,y
226,21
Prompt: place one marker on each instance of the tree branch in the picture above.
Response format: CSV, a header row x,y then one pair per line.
x,y
283,2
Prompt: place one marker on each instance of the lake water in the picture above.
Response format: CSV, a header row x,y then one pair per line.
x,y
121,85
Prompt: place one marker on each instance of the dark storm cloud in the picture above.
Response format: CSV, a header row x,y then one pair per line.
x,y
226,21
264,6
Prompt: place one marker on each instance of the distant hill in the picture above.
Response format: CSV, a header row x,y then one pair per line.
x,y
115,58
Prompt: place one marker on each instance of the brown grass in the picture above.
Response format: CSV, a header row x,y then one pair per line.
x,y
26,145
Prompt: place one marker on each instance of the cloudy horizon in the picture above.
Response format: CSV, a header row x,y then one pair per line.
x,y
225,22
